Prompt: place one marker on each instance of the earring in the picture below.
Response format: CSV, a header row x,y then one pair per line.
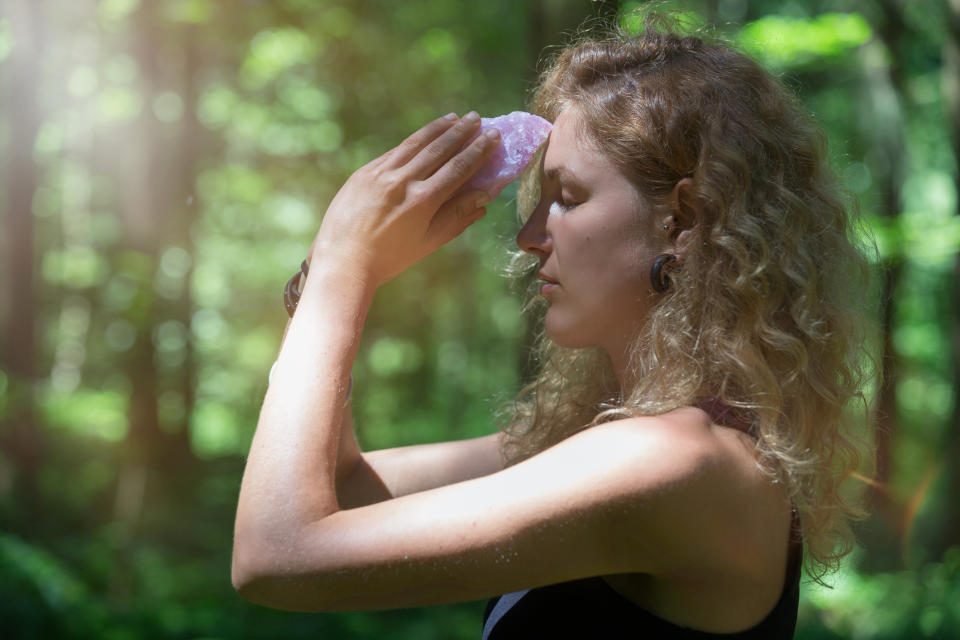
x,y
658,277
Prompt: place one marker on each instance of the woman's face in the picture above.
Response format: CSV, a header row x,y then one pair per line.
x,y
596,238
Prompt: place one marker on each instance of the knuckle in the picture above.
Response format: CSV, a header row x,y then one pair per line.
x,y
436,151
410,145
411,140
419,192
393,184
373,171
463,162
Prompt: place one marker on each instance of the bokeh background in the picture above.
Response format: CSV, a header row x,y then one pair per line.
x,y
164,166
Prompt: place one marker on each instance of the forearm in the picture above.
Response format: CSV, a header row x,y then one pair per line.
x,y
290,477
367,478
349,453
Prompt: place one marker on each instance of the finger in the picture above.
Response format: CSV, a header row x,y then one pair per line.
x,y
455,216
414,144
462,166
440,150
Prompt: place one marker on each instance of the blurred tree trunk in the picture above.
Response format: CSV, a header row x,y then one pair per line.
x,y
141,177
157,209
21,440
886,85
182,201
141,207
951,461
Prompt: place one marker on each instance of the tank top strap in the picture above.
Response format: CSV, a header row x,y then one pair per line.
x,y
722,413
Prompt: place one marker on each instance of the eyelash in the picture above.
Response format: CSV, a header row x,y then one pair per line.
x,y
562,207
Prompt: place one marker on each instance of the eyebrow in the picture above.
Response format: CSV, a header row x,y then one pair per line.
x,y
554,173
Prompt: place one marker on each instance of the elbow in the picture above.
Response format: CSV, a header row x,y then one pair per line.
x,y
260,586
262,579
252,572
240,575
246,576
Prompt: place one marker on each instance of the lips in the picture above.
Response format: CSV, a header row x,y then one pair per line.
x,y
542,276
549,284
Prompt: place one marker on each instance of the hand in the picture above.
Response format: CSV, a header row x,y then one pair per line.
x,y
401,207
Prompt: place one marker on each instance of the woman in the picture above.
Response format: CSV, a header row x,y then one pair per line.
x,y
697,268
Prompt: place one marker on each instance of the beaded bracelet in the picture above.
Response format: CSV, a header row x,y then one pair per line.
x,y
293,290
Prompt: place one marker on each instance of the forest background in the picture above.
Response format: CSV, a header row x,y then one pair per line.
x,y
164,166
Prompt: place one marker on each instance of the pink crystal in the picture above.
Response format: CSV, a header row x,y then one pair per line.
x,y
520,135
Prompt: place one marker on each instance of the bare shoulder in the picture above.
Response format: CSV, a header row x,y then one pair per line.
x,y
674,448
717,513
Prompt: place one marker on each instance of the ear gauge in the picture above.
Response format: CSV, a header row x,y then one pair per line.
x,y
659,279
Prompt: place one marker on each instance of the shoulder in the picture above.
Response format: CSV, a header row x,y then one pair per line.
x,y
676,447
693,498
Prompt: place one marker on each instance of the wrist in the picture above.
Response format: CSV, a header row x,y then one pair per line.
x,y
326,267
347,260
338,279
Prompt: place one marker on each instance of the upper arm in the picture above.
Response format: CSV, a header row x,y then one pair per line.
x,y
557,516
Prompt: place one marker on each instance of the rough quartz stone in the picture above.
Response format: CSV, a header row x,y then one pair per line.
x,y
520,135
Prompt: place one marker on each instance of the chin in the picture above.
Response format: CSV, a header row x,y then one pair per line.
x,y
565,334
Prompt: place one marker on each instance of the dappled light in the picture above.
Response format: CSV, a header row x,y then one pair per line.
x,y
166,164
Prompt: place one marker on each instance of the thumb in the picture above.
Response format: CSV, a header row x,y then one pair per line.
x,y
455,215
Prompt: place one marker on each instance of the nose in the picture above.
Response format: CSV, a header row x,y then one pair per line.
x,y
533,237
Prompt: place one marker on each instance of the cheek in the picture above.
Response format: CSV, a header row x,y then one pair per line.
x,y
627,275
611,277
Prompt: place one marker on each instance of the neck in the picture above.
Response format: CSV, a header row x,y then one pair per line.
x,y
619,354
620,359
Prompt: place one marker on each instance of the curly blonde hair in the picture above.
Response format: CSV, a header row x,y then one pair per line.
x,y
763,312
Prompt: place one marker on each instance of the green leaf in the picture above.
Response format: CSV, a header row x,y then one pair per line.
x,y
782,42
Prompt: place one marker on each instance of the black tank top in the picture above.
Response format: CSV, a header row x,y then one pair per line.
x,y
591,608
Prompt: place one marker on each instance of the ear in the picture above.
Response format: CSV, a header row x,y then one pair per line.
x,y
684,220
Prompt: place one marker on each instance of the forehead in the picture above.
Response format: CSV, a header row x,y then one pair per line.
x,y
571,150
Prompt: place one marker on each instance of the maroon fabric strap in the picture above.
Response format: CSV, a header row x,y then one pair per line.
x,y
722,413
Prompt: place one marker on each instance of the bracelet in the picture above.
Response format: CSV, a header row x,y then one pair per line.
x,y
294,289
346,400
291,298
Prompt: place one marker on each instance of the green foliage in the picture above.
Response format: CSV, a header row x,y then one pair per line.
x,y
189,11
41,596
98,414
632,20
904,604
783,41
115,11
275,51
6,38
185,157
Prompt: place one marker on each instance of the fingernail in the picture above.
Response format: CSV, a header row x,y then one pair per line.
x,y
492,134
471,117
482,200
450,116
